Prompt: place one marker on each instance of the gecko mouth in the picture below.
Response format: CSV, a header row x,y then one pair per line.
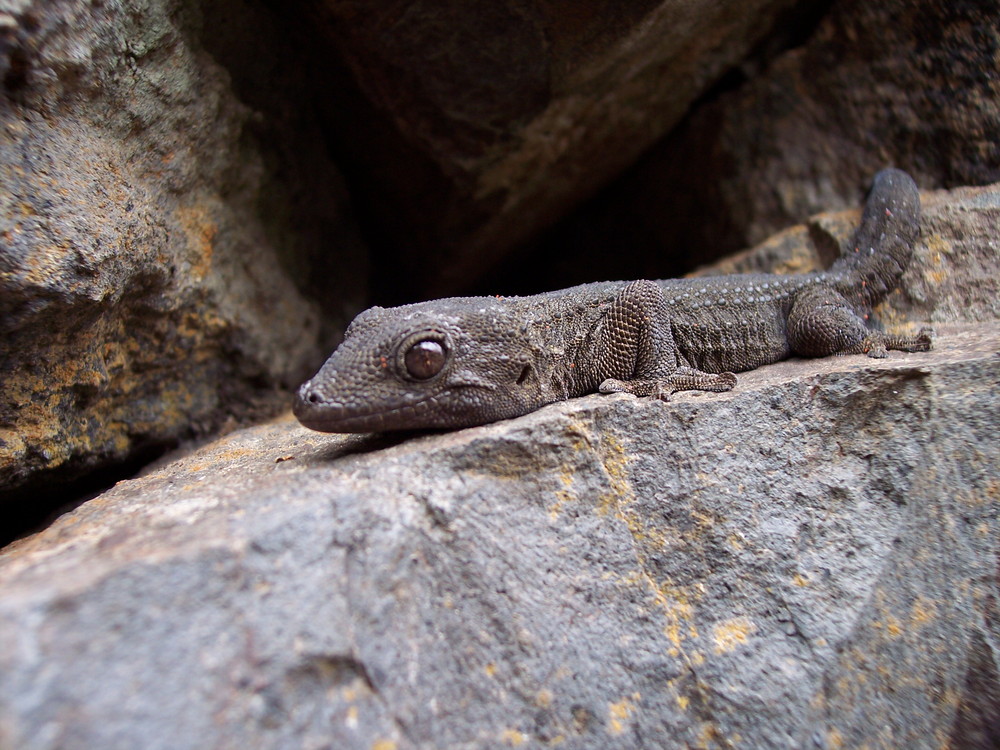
x,y
315,412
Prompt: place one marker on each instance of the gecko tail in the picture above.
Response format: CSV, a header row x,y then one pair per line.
x,y
883,245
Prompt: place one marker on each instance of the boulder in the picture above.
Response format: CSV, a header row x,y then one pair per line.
x,y
809,560
474,126
150,288
797,130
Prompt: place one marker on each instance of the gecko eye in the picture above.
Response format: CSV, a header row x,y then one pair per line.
x,y
425,359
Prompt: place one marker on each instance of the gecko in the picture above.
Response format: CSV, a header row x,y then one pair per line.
x,y
465,361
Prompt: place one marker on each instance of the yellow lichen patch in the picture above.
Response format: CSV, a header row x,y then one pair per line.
x,y
709,736
679,613
892,627
620,712
490,669
606,504
615,462
673,601
513,738
932,261
562,497
800,580
731,634
683,702
200,231
383,745
703,519
544,698
834,739
990,496
924,611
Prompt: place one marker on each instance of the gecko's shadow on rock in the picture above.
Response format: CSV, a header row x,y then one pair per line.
x,y
364,443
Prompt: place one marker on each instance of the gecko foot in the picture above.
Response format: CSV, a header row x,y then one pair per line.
x,y
877,345
683,379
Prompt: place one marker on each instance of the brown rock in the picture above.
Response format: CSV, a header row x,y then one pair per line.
x,y
504,115
907,84
146,286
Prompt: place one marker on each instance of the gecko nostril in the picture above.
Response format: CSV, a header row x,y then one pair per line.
x,y
313,397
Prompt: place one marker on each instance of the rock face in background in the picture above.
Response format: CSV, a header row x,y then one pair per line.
x,y
809,560
149,275
899,83
954,274
913,85
505,114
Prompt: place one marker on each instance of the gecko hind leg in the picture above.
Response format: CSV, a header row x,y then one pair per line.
x,y
638,351
877,344
682,379
822,322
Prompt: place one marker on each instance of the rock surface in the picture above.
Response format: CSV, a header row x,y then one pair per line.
x,y
480,124
807,561
905,83
148,287
954,274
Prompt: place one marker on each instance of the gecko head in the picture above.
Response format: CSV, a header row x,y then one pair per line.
x,y
446,363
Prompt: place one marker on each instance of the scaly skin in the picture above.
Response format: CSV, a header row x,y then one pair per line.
x,y
465,361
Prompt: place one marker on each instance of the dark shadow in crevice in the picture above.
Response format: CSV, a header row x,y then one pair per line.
x,y
36,505
619,232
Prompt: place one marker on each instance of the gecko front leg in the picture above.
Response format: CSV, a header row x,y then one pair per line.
x,y
637,353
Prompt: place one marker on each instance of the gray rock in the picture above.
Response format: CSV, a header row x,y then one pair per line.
x,y
904,83
479,125
807,561
147,280
955,272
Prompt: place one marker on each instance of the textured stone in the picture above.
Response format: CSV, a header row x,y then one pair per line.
x,y
148,279
808,560
955,272
903,83
486,122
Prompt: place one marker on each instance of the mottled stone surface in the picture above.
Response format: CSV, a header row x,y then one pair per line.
x,y
483,123
808,560
954,274
907,84
904,83
149,275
